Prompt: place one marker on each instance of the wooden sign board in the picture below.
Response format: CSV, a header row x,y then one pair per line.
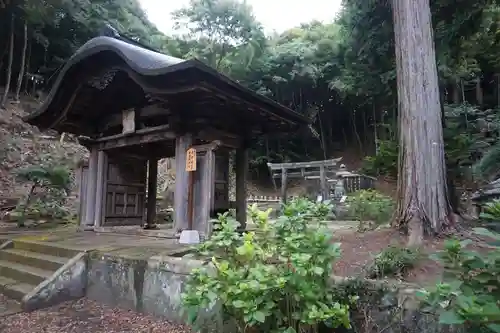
x,y
191,160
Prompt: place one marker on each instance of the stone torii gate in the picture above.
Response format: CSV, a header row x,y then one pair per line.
x,y
131,107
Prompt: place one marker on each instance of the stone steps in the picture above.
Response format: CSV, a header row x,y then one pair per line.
x,y
14,289
26,264
34,259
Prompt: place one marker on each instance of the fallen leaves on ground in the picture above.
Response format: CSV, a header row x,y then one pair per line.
x,y
86,316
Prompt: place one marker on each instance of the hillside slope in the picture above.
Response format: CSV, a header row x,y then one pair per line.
x,y
23,145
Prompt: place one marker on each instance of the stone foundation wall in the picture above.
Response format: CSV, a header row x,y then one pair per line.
x,y
154,286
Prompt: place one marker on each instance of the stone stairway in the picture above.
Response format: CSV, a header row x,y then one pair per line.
x,y
26,264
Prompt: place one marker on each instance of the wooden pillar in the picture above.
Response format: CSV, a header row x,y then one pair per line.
x,y
241,186
182,143
204,192
284,183
324,186
100,188
152,186
221,191
90,198
82,192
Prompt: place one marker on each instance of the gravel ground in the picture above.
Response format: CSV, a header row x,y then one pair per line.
x,y
85,316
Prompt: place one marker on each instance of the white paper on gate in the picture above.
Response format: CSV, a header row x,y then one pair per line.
x,y
320,198
343,199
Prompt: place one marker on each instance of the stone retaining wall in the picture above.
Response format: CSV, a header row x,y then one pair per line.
x,y
154,286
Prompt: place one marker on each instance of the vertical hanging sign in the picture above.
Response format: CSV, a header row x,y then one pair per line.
x,y
191,160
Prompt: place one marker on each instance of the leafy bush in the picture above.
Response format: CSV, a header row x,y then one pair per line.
x,y
393,261
50,185
370,205
385,162
490,217
470,293
273,280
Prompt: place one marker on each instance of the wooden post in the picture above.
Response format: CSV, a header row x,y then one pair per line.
x,y
191,169
100,188
324,186
190,203
241,186
152,184
90,198
82,175
283,185
181,182
128,121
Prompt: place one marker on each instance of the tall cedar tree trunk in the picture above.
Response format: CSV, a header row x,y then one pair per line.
x,y
9,65
23,62
423,205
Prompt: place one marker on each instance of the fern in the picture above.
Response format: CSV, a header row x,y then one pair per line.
x,y
487,166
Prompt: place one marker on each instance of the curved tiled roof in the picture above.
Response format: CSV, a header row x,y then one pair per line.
x,y
145,65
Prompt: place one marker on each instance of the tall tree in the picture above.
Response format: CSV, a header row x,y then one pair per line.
x,y
23,61
423,205
221,27
8,70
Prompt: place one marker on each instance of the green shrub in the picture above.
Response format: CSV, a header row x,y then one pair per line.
x,y
393,261
470,292
490,217
370,205
273,280
385,162
49,188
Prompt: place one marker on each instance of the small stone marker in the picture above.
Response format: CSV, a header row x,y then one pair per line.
x,y
189,237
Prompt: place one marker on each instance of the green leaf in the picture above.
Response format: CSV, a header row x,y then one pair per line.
x,y
238,304
486,233
211,296
259,316
318,270
450,318
192,316
494,327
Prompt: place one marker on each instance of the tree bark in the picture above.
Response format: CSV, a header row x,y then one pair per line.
x,y
27,70
423,205
23,62
456,94
9,65
479,92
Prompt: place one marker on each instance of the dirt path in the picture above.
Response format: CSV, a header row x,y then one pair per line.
x,y
85,316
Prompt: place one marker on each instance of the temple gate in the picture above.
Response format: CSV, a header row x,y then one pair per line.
x,y
131,107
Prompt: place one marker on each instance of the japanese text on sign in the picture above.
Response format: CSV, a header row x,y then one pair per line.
x,y
191,160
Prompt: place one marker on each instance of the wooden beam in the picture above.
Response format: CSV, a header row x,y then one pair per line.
x,y
207,147
284,183
101,180
324,184
241,186
90,197
182,144
144,136
152,184
128,121
231,97
146,112
299,165
307,174
226,139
